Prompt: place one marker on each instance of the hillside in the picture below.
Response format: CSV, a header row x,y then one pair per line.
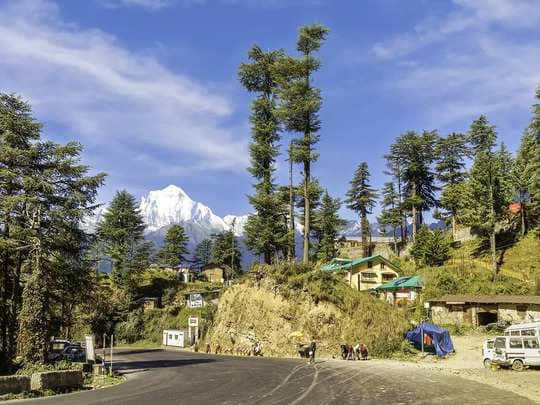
x,y
307,305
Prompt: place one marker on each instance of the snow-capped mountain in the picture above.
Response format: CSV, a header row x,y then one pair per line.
x,y
162,208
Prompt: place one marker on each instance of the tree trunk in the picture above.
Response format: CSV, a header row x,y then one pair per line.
x,y
523,221
414,214
291,253
307,210
492,243
454,228
364,229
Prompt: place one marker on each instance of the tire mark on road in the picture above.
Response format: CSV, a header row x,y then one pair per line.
x,y
310,388
285,380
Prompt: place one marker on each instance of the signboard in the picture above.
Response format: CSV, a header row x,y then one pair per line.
x,y
90,352
193,321
195,301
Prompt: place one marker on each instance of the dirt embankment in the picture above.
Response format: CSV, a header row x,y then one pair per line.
x,y
247,314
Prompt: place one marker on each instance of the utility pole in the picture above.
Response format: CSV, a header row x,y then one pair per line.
x,y
232,247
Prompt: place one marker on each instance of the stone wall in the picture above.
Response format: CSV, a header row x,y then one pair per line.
x,y
56,379
14,384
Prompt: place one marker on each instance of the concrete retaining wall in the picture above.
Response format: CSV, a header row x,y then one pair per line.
x,y
56,379
14,384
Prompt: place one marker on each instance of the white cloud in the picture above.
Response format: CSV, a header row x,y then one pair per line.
x,y
471,61
87,82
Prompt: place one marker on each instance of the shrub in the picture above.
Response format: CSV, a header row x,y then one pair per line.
x,y
430,248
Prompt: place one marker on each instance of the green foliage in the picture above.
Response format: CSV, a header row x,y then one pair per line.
x,y
202,255
327,225
226,251
430,248
132,329
45,193
121,232
174,248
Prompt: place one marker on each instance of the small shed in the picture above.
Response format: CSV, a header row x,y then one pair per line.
x,y
214,273
173,337
484,309
402,290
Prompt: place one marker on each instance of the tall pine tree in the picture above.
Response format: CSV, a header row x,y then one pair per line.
x,y
226,252
487,192
391,215
534,128
202,255
522,177
451,153
299,109
266,232
361,198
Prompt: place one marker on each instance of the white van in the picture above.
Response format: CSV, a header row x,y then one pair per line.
x,y
488,352
517,352
523,329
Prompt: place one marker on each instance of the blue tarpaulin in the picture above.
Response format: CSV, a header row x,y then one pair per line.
x,y
439,336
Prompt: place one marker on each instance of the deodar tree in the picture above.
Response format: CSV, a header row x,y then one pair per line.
x,y
451,153
299,109
327,227
361,198
488,188
266,229
46,193
174,250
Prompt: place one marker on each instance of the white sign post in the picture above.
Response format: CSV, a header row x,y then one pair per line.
x,y
193,322
90,351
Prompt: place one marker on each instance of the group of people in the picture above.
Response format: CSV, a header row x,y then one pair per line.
x,y
356,352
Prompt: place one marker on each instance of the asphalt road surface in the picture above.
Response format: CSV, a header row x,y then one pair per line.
x,y
159,377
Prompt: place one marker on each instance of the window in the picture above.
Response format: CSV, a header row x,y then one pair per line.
x,y
175,337
516,343
514,333
369,275
528,332
382,265
170,336
530,343
370,265
500,343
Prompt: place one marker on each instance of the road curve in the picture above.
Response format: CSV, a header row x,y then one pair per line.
x,y
159,377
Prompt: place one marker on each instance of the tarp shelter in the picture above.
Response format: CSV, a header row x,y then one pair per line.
x,y
439,336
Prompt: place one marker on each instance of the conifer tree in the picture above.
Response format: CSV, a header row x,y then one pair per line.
x,y
534,128
122,233
266,233
226,251
394,164
390,215
202,255
328,225
451,153
416,155
522,177
174,248
361,198
299,108
487,192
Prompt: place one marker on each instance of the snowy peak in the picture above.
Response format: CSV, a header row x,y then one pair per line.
x,y
172,205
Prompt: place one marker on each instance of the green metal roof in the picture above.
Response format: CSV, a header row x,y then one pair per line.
x,y
338,264
403,282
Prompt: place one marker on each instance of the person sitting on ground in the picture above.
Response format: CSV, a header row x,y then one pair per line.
x,y
218,349
208,348
364,351
344,351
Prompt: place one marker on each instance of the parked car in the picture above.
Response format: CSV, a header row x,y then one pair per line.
x,y
488,352
74,353
56,348
523,329
517,352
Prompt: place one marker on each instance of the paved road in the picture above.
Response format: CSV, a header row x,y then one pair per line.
x,y
190,378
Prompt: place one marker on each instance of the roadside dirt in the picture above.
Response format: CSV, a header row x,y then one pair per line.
x,y
467,363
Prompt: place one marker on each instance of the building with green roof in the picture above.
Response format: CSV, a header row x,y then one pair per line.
x,y
364,273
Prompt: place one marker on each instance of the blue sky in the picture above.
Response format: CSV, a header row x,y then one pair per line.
x,y
149,87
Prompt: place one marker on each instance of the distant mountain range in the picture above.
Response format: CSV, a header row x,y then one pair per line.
x,y
172,205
